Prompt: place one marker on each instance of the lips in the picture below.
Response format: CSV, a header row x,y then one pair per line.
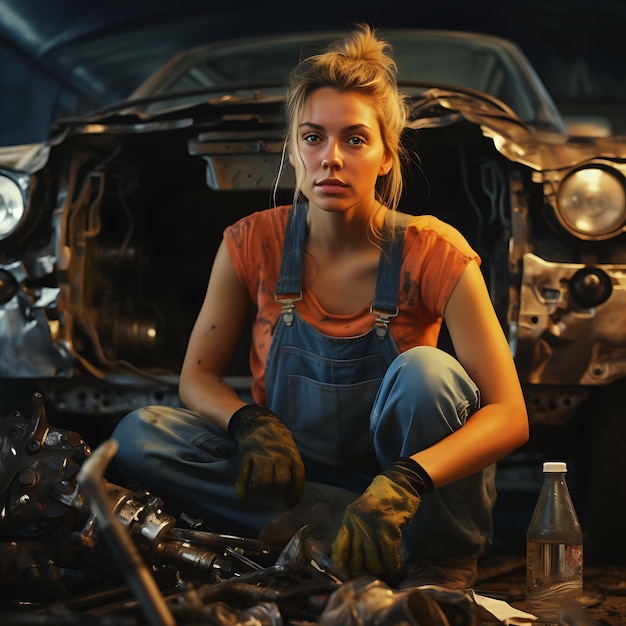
x,y
330,183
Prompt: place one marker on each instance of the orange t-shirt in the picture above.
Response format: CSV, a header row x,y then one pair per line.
x,y
434,257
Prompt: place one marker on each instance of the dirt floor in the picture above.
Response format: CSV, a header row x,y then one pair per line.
x,y
603,601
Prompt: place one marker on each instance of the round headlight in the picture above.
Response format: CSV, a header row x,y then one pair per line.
x,y
11,206
592,203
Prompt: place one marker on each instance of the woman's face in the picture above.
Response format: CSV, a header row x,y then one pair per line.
x,y
340,148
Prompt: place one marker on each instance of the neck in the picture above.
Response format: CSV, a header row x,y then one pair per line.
x,y
342,231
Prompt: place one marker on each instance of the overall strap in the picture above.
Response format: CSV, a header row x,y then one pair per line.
x,y
385,303
289,287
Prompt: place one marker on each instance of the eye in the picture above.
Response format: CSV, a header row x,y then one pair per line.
x,y
311,138
356,140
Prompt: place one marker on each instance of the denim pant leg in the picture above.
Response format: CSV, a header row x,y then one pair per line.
x,y
425,396
190,463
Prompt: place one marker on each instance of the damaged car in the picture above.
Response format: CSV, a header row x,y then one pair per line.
x,y
108,232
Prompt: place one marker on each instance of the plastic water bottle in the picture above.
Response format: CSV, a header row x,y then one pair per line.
x,y
554,548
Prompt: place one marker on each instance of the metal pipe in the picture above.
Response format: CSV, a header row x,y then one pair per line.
x,y
124,552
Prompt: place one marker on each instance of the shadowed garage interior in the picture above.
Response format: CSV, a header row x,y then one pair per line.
x,y
70,57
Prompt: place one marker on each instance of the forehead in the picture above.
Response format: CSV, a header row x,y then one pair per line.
x,y
327,106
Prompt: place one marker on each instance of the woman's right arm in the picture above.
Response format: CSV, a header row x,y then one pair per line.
x,y
212,342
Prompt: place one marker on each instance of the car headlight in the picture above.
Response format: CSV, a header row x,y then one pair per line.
x,y
592,203
11,206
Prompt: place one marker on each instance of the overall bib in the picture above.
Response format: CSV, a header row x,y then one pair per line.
x,y
323,388
353,405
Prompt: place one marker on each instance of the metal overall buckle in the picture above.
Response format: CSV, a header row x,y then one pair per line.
x,y
381,320
287,306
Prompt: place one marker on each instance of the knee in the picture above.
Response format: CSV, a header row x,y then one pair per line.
x,y
127,434
137,428
131,422
424,382
425,369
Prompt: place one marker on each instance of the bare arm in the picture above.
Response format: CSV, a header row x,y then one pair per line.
x,y
501,425
212,342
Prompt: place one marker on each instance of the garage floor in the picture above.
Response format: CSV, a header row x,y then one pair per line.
x,y
501,577
603,601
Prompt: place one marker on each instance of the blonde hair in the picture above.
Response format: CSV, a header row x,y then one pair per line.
x,y
360,62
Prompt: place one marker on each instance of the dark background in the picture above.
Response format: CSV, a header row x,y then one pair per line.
x,y
61,57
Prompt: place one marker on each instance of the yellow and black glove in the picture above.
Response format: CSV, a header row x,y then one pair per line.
x,y
268,462
371,529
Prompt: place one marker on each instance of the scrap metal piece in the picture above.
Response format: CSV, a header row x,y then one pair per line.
x,y
91,483
217,540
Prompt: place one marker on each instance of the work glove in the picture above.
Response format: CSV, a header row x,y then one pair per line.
x,y
370,533
268,462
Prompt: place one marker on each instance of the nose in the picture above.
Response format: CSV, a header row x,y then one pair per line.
x,y
332,158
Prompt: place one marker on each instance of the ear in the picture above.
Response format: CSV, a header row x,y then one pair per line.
x,y
291,159
385,165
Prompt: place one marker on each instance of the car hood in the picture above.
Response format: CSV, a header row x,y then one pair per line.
x,y
518,142
540,150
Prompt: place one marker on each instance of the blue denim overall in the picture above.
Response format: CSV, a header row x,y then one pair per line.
x,y
323,387
353,405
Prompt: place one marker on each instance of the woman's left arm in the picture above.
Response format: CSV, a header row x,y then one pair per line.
x,y
501,424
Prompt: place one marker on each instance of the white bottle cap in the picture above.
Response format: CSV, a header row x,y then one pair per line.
x,y
555,466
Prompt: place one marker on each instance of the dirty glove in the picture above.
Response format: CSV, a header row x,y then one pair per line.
x,y
268,462
371,529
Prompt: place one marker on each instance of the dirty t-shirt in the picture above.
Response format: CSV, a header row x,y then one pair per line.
x,y
434,257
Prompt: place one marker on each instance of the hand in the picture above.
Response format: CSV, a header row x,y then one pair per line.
x,y
371,529
268,462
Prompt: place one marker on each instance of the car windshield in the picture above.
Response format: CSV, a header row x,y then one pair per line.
x,y
442,58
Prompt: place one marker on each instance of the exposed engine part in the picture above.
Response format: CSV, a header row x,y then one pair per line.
x,y
73,543
38,467
59,511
